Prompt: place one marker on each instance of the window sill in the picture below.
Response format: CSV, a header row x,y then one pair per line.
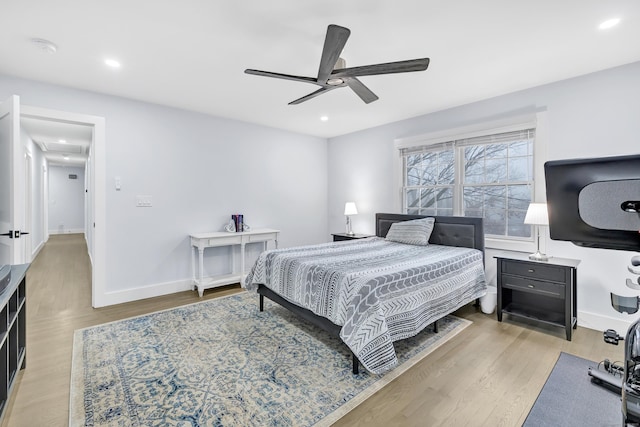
x,y
509,245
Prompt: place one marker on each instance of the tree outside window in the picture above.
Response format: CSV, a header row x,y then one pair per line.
x,y
495,181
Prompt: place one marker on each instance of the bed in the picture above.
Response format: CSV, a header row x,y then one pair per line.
x,y
373,292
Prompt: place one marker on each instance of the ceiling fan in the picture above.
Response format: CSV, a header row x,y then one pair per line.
x,y
333,73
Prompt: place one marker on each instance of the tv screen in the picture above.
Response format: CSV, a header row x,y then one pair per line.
x,y
595,202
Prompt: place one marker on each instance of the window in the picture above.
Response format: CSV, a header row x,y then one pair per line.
x,y
490,176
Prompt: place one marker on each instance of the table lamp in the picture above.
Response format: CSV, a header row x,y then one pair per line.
x,y
537,215
350,209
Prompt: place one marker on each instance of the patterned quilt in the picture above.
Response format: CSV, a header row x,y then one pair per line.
x,y
378,291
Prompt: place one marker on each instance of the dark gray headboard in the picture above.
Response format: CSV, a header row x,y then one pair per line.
x,y
461,231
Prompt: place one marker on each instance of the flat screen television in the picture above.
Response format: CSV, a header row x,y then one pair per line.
x,y
595,202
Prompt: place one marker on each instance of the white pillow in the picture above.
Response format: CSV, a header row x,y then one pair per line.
x,y
414,232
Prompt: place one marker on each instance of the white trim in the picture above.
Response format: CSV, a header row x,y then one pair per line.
x,y
148,291
37,250
399,181
599,322
494,127
67,231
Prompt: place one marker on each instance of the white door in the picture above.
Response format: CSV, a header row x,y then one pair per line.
x,y
11,187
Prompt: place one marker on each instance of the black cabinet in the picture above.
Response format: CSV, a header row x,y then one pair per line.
x,y
13,327
544,291
344,236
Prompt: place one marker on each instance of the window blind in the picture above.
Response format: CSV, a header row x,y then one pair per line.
x,y
518,135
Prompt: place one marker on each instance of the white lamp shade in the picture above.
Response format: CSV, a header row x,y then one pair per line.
x,y
350,208
537,214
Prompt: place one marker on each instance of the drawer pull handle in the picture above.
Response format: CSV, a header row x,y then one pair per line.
x,y
530,286
531,270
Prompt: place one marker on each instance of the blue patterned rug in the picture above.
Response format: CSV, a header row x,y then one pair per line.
x,y
223,363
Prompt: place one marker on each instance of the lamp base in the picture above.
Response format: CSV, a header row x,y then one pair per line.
x,y
538,256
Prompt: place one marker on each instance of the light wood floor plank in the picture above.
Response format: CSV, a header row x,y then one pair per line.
x,y
489,375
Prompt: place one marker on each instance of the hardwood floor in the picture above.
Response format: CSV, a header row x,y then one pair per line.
x,y
489,375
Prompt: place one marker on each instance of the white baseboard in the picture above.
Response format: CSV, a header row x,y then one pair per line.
x,y
143,292
37,250
602,323
67,231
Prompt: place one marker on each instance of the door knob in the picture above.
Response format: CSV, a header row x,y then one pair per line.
x,y
14,234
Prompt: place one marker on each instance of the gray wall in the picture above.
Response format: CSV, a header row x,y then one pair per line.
x,y
199,170
66,200
590,116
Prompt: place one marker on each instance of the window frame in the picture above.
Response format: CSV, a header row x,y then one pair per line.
x,y
537,121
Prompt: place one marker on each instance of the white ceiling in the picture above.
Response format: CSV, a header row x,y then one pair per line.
x,y
191,54
63,144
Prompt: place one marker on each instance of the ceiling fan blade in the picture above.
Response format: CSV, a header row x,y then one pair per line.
x,y
280,76
333,44
311,95
386,68
360,89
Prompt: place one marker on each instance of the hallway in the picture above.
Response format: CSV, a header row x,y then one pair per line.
x,y
58,303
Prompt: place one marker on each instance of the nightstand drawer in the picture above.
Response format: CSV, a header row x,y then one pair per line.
x,y
535,270
534,286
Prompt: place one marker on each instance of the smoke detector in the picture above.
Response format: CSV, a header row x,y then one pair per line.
x,y
45,45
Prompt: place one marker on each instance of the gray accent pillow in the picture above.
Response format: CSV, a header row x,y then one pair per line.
x,y
414,232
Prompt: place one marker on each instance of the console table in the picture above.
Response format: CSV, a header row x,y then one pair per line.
x,y
202,241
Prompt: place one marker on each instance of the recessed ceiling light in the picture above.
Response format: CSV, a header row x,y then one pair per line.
x,y
609,23
66,157
62,141
112,63
45,46
324,118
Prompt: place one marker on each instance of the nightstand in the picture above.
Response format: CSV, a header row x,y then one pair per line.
x,y
344,236
543,291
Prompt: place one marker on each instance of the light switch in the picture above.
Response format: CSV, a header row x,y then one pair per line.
x,y
118,183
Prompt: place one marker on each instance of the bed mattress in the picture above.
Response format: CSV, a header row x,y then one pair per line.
x,y
377,291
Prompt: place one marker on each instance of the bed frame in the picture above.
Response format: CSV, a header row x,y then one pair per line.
x,y
459,231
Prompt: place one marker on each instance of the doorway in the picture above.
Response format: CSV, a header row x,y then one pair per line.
x,y
95,190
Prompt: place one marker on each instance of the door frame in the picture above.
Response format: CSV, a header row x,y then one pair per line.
x,y
95,229
27,223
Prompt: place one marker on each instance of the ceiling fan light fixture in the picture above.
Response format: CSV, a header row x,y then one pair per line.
x,y
333,74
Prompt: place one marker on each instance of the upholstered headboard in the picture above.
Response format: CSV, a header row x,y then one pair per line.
x,y
461,231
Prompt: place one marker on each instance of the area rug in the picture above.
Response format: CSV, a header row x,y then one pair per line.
x,y
222,362
569,398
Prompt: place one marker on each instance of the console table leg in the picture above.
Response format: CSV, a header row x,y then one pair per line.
x,y
242,266
261,302
200,271
193,269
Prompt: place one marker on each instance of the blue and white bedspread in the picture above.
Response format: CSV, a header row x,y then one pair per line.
x,y
378,291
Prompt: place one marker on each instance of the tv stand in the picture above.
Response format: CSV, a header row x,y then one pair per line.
x,y
13,328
